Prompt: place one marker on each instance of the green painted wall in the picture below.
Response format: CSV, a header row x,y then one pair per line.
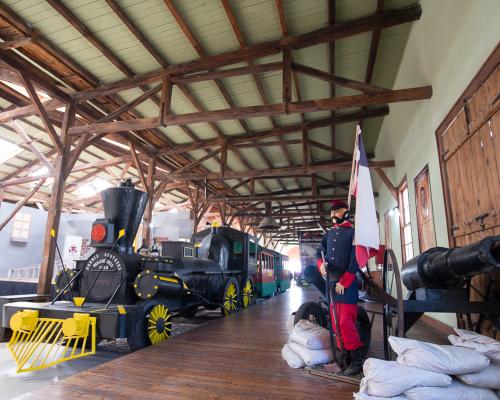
x,y
445,49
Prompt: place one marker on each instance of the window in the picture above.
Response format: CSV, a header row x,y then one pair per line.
x,y
8,150
188,252
21,227
404,219
253,248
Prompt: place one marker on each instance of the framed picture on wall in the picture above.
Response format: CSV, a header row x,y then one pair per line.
x,y
423,202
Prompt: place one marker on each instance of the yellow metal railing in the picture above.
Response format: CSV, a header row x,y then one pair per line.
x,y
39,343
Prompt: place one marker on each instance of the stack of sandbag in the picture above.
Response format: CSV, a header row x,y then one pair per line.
x,y
309,344
389,379
426,371
489,377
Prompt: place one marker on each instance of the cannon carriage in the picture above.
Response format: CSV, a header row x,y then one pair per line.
x,y
439,280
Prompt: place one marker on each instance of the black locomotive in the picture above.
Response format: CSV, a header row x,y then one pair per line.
x,y
134,296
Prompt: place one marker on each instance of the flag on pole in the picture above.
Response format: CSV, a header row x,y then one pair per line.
x,y
366,238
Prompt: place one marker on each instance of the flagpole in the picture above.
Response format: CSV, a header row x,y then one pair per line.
x,y
358,130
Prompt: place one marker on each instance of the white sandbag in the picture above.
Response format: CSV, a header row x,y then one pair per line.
x,y
290,323
312,357
475,341
365,396
456,391
445,359
291,357
310,335
389,378
488,378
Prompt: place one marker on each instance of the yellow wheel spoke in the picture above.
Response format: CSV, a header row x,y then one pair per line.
x,y
159,312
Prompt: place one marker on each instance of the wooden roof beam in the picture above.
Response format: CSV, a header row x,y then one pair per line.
x,y
277,172
279,131
362,100
373,51
266,198
201,52
16,43
385,19
348,83
41,111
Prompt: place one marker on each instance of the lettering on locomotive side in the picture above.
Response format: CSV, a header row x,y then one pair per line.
x,y
105,261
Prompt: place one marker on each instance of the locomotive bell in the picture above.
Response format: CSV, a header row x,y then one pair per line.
x,y
123,208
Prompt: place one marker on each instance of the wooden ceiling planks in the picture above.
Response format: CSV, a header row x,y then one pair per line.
x,y
182,161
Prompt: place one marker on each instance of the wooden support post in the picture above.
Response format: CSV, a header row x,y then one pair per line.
x,y
223,161
55,204
305,149
41,111
148,213
137,165
20,204
287,76
166,98
194,207
252,187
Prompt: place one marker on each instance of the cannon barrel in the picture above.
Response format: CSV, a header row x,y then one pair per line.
x,y
442,268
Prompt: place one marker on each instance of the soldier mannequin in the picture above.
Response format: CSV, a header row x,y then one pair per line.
x,y
340,260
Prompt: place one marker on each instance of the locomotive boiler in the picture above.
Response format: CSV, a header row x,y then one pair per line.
x,y
117,293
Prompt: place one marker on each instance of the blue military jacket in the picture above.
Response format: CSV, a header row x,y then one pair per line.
x,y
340,254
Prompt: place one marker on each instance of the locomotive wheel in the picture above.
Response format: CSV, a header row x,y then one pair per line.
x,y
153,326
230,297
159,324
312,312
248,294
393,314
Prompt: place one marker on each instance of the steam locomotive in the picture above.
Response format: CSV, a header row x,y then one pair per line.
x,y
133,296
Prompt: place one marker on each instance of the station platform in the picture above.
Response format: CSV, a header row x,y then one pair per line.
x,y
237,357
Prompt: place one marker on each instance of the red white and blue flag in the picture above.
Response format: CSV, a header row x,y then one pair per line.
x,y
366,238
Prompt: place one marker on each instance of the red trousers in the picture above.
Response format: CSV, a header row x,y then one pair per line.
x,y
347,314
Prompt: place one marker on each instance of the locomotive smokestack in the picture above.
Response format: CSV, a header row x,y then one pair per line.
x,y
125,206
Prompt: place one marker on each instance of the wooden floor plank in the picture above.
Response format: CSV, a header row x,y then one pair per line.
x,y
238,357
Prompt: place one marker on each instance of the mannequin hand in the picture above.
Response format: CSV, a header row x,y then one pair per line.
x,y
339,289
322,269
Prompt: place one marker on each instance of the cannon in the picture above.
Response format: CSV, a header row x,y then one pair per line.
x,y
443,268
440,280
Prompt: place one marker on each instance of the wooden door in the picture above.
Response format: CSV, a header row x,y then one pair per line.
x,y
469,146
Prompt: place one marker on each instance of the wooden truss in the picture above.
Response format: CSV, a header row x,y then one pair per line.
x,y
95,113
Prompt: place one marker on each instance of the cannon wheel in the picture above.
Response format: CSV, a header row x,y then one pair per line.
x,y
230,296
248,293
480,288
312,312
393,314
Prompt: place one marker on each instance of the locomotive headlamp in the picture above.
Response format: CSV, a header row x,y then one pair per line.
x,y
98,233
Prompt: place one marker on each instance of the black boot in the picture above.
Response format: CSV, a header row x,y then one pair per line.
x,y
356,363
